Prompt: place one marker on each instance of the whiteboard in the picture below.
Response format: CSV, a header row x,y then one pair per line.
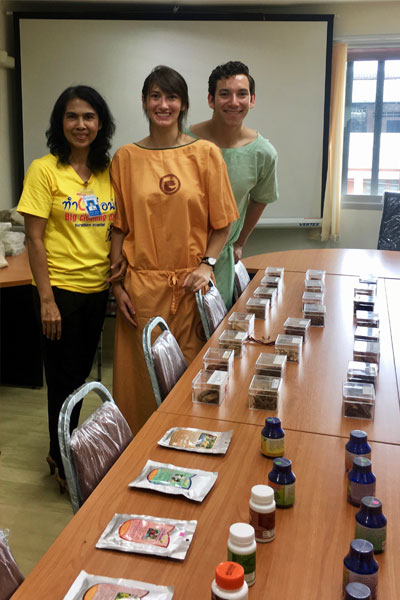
x,y
287,59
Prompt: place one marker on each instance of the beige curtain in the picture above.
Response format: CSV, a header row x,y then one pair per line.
x,y
331,216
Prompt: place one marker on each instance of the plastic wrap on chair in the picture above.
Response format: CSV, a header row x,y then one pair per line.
x,y
10,575
214,308
169,362
242,278
97,444
389,232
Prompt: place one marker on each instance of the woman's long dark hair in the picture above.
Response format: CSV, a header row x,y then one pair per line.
x,y
99,157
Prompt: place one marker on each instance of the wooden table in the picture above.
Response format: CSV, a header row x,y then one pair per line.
x,y
336,261
311,395
18,271
305,560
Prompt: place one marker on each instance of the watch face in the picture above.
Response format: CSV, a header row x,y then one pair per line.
x,y
210,261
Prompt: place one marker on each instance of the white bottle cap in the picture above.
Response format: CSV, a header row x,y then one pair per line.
x,y
241,534
262,494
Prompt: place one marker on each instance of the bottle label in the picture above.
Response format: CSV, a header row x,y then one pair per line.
x,y
272,447
370,580
284,494
375,535
264,525
357,491
348,460
248,562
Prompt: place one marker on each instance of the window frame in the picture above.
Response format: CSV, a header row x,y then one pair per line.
x,y
379,54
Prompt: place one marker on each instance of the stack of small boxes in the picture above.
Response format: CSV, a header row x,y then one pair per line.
x,y
362,372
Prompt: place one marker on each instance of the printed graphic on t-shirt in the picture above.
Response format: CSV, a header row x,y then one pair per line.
x,y
170,184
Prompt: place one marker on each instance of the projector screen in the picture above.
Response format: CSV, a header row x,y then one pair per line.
x,y
289,60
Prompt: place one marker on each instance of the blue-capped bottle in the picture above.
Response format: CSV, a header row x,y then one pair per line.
x,y
357,591
356,446
283,480
371,523
273,438
360,566
361,481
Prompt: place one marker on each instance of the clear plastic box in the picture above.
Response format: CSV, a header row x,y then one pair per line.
x,y
264,392
369,334
209,387
233,340
271,365
366,351
266,292
239,321
218,359
358,400
314,285
313,298
315,274
367,318
290,345
258,306
273,282
362,371
362,302
365,289
294,326
274,271
316,314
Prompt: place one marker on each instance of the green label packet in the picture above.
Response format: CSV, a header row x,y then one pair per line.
x,y
181,479
377,536
248,562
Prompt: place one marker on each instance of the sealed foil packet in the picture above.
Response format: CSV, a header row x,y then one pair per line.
x,y
143,534
179,481
96,587
197,440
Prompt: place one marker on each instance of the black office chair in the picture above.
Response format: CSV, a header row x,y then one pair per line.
x,y
10,575
242,279
211,308
389,232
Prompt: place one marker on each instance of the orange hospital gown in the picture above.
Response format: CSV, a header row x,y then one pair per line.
x,y
168,202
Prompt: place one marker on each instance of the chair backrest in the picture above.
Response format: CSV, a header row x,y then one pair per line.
x,y
10,575
93,447
164,359
212,309
242,279
389,232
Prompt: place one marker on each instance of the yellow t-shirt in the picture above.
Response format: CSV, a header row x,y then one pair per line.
x,y
79,218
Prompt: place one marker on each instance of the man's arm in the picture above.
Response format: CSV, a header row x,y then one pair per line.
x,y
253,214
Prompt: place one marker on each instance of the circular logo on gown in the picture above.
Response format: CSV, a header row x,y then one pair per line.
x,y
169,184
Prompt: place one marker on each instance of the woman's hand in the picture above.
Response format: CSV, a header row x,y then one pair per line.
x,y
124,303
198,278
118,270
51,319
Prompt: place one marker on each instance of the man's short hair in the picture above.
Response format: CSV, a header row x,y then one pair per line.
x,y
229,69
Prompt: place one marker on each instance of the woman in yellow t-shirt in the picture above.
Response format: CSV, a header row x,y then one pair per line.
x,y
174,210
68,206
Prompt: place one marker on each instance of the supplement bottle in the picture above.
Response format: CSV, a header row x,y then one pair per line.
x,y
273,438
361,481
262,512
360,566
282,480
229,583
242,549
356,446
357,591
371,523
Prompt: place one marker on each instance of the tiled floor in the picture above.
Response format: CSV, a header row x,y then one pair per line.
x,y
31,506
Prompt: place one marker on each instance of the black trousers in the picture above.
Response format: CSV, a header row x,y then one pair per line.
x,y
68,361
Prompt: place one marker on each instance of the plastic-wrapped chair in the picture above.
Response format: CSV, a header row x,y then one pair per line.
x,y
93,447
10,575
212,309
242,279
164,359
389,232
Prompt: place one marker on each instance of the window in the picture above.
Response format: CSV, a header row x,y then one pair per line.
x,y
371,141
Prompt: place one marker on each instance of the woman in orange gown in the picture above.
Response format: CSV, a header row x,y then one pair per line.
x,y
174,209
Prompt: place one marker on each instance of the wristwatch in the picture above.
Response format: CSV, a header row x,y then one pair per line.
x,y
208,260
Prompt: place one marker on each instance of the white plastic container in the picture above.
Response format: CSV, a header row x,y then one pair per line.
x,y
242,549
229,582
262,512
